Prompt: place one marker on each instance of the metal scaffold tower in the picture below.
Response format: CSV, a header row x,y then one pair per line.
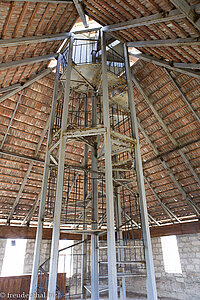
x,y
101,197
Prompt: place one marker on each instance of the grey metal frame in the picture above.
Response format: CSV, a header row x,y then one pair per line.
x,y
94,237
85,192
188,11
151,282
34,277
112,270
27,61
34,39
169,65
59,187
26,84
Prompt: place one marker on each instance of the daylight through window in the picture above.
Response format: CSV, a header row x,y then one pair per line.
x,y
170,254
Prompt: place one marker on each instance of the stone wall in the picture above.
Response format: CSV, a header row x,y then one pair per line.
x,y
185,286
30,246
2,252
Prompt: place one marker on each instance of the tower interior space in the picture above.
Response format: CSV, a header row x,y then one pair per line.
x,y
99,149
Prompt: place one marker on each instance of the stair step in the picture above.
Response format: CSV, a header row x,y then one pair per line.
x,y
125,262
83,76
102,288
92,131
122,137
120,275
123,246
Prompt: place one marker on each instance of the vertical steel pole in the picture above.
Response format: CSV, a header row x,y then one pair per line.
x,y
120,236
34,277
151,282
112,270
94,237
59,187
85,193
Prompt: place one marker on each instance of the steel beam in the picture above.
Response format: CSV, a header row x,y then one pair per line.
x,y
9,88
169,65
11,119
27,173
165,128
153,219
85,195
34,39
165,208
34,277
94,237
32,210
28,217
59,186
171,151
182,95
168,211
26,84
188,11
21,157
187,65
81,13
118,216
27,61
146,21
166,43
112,270
14,205
151,282
185,196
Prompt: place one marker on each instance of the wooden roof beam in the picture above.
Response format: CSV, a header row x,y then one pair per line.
x,y
188,11
81,12
27,61
11,119
165,166
152,19
9,88
165,128
26,84
146,21
182,95
156,231
166,43
166,64
170,214
30,233
165,208
171,151
33,39
28,172
19,156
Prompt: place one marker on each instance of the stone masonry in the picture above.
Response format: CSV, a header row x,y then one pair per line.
x,y
30,246
185,286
